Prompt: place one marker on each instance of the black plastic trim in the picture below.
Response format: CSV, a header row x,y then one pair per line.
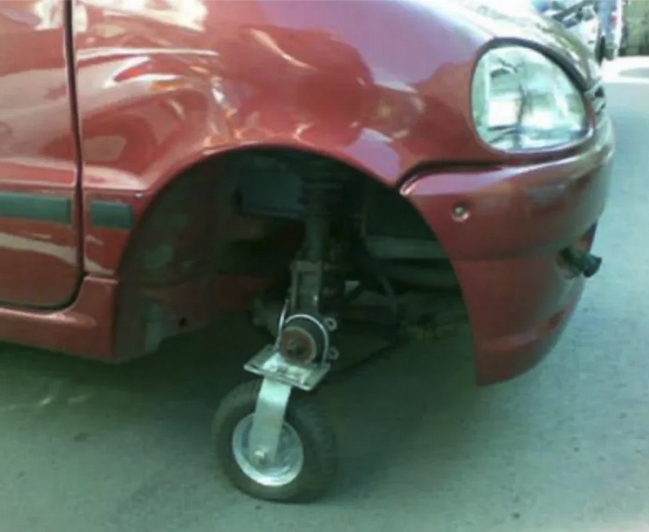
x,y
112,215
42,207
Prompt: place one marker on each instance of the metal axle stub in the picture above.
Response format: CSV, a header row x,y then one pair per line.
x,y
268,421
303,339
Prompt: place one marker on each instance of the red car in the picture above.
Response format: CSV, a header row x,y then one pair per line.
x,y
165,160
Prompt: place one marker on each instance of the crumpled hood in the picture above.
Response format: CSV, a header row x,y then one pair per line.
x,y
517,19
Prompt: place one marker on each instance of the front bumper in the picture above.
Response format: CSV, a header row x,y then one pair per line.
x,y
504,230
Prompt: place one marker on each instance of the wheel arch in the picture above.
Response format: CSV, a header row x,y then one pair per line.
x,y
149,117
208,176
177,234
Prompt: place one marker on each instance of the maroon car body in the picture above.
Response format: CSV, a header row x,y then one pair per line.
x,y
116,119
165,160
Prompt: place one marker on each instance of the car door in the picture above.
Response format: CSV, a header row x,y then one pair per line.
x,y
39,178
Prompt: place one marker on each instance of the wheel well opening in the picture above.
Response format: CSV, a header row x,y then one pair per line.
x,y
223,236
241,214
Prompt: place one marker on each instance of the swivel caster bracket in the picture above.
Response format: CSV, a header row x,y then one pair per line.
x,y
270,364
279,378
268,421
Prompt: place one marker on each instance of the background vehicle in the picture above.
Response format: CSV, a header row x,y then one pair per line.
x,y
587,26
611,16
580,18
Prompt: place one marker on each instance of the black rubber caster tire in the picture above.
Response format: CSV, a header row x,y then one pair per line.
x,y
318,439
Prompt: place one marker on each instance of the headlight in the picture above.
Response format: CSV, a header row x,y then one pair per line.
x,y
522,101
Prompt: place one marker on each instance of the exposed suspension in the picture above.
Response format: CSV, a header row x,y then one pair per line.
x,y
317,283
301,355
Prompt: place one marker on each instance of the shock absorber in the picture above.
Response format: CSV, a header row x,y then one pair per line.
x,y
323,198
317,283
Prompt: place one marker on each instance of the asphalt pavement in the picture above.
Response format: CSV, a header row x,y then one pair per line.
x,y
86,447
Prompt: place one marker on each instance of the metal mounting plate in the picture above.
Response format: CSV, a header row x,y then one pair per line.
x,y
268,363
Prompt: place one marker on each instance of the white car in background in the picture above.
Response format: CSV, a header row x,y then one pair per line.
x,y
580,18
586,25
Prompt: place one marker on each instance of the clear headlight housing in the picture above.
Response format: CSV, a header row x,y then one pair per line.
x,y
523,101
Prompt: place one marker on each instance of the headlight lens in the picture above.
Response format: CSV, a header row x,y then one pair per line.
x,y
522,101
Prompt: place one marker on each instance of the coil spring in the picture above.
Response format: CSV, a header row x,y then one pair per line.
x,y
322,191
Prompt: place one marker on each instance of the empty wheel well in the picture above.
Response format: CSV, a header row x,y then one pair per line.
x,y
242,211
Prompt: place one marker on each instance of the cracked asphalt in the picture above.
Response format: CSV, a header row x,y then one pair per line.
x,y
86,447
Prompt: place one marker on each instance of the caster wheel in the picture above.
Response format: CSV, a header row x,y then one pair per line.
x,y
307,453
